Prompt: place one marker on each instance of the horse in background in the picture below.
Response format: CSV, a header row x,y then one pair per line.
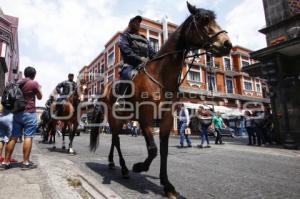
x,y
161,75
68,118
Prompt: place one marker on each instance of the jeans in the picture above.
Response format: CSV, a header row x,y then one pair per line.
x,y
6,121
126,72
204,135
251,136
219,136
259,135
24,123
182,128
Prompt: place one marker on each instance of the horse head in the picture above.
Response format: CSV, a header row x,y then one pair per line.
x,y
200,30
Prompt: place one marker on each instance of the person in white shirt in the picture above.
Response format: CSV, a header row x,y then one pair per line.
x,y
184,120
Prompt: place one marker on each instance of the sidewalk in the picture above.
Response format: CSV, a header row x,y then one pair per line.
x,y
54,178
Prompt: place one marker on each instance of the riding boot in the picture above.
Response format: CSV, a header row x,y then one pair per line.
x,y
120,102
122,89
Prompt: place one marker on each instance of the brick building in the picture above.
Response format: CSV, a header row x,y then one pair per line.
x,y
210,80
9,49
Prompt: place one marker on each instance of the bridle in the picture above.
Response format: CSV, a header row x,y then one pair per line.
x,y
209,40
207,46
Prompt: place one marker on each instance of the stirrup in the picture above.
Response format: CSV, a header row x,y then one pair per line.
x,y
120,103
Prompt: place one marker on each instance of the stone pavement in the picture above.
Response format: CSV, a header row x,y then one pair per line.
x,y
54,178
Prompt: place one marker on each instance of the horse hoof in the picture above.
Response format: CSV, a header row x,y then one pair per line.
x,y
172,195
125,173
139,167
111,166
170,191
71,152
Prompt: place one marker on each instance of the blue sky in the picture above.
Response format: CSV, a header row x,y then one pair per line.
x,y
61,36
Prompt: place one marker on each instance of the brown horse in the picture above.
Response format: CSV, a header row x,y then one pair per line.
x,y
156,88
68,118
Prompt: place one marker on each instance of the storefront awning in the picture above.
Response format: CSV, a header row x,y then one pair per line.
x,y
225,111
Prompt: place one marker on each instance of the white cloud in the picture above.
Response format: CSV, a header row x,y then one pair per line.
x,y
243,23
73,30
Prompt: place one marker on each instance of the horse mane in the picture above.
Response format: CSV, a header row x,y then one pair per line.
x,y
177,34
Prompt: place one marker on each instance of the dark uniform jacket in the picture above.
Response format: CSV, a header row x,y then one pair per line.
x,y
67,87
133,47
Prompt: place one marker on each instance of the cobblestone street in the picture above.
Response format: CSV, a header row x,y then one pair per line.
x,y
232,170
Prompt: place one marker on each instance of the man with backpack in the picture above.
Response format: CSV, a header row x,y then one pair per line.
x,y
25,118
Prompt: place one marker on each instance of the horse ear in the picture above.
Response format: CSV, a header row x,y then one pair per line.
x,y
192,9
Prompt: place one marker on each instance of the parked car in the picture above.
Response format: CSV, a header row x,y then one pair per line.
x,y
229,132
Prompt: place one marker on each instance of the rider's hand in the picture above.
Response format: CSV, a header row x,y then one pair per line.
x,y
144,59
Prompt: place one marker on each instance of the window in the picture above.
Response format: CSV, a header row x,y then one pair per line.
x,y
258,88
90,76
227,63
110,78
95,89
248,86
209,60
111,59
245,63
194,76
102,69
211,79
154,44
229,85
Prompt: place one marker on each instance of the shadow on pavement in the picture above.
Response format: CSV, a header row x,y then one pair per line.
x,y
137,182
60,150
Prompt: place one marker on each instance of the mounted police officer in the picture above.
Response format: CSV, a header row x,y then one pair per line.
x,y
136,51
65,89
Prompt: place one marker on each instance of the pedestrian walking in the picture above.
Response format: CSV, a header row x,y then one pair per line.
x,y
258,127
205,121
249,128
184,120
25,121
135,128
218,125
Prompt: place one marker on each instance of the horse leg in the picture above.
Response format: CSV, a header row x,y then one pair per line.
x,y
63,137
165,126
124,169
71,138
152,152
52,136
111,164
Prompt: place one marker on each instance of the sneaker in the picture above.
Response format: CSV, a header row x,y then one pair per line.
x,y
200,146
190,145
207,146
5,166
28,166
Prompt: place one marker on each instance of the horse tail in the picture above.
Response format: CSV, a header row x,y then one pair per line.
x,y
97,118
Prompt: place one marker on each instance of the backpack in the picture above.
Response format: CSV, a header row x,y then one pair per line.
x,y
13,98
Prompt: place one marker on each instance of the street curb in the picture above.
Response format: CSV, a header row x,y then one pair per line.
x,y
94,188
